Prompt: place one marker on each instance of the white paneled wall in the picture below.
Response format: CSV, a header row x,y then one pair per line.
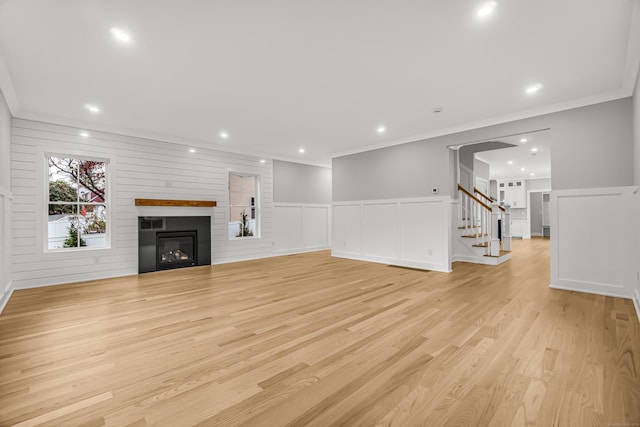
x,y
139,168
301,227
404,232
592,246
6,286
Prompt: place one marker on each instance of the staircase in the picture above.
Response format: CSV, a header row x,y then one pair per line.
x,y
478,238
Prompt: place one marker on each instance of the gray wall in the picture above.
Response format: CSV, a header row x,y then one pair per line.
x,y
535,199
406,170
537,184
5,144
636,132
298,183
592,147
481,169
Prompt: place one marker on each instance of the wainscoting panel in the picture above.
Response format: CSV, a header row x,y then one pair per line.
x,y
301,227
404,232
592,249
6,287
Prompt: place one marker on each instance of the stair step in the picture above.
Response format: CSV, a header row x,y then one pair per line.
x,y
473,236
501,254
481,245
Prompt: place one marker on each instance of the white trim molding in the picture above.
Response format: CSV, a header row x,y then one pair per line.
x,y
413,232
301,227
591,248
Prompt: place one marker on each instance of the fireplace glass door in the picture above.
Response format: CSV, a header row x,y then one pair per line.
x,y
176,249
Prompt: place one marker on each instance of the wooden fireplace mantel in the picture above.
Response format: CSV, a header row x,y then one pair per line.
x,y
162,202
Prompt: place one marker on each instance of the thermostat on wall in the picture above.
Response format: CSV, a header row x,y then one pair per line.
x,y
434,190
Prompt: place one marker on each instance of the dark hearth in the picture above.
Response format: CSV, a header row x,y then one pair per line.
x,y
173,242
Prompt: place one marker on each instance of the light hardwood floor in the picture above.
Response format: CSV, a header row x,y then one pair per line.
x,y
310,340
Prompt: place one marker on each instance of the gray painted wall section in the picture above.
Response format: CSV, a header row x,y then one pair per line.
x,y
406,170
636,132
481,169
298,183
592,147
535,199
5,144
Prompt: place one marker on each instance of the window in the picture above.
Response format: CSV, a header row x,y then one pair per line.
x,y
77,199
243,210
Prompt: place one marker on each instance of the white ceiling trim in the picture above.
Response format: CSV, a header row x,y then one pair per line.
x,y
583,102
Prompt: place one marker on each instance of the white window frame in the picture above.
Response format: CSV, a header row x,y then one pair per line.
x,y
258,219
106,204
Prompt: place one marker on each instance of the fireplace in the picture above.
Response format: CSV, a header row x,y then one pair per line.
x,y
173,242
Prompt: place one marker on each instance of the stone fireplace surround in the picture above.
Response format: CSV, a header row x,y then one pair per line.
x,y
154,230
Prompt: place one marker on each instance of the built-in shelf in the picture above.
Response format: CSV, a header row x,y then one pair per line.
x,y
191,203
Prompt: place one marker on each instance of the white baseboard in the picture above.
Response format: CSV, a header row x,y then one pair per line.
x,y
392,261
6,296
584,288
300,250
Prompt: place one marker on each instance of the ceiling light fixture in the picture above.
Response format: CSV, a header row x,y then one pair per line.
x,y
224,135
263,161
192,150
533,89
523,140
486,9
510,162
522,169
120,35
301,150
532,174
92,108
381,129
84,134
534,150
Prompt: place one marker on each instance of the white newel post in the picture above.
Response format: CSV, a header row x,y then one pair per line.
x,y
506,229
494,248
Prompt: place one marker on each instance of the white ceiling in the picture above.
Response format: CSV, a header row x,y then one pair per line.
x,y
537,163
280,75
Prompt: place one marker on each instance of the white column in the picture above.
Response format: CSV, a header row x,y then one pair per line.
x,y
494,245
506,229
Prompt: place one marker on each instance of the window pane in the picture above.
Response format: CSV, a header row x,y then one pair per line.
x,y
59,225
63,185
242,211
92,181
93,225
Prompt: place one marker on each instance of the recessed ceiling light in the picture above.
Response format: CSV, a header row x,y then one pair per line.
x,y
120,35
192,150
533,89
534,150
486,9
522,169
224,135
263,161
301,150
510,162
92,108
523,140
381,129
84,134
532,174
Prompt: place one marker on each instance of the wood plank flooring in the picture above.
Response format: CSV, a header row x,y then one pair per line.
x,y
310,340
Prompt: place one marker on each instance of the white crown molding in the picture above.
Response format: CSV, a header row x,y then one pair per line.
x,y
554,108
632,61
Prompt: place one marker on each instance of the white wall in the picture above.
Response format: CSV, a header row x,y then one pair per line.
x,y
139,168
301,227
404,232
5,203
636,132
593,248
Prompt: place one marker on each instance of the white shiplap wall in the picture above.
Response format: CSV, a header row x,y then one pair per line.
x,y
139,168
